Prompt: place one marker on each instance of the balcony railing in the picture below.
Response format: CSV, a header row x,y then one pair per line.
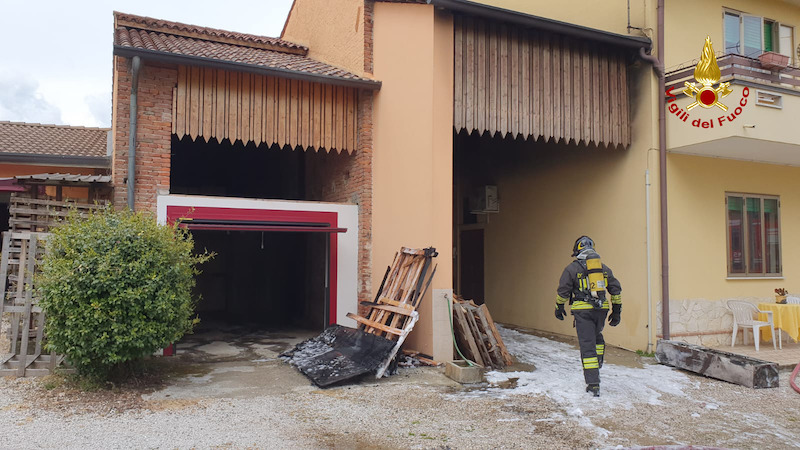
x,y
737,67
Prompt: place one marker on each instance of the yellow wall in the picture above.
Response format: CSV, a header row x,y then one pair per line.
x,y
550,194
696,199
332,29
412,156
771,124
602,15
688,22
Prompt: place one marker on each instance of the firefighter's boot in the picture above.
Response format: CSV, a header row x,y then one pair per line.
x,y
594,389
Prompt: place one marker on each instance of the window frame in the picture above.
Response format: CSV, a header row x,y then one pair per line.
x,y
792,47
777,48
746,236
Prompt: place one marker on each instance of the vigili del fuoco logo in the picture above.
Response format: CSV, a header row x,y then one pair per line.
x,y
704,94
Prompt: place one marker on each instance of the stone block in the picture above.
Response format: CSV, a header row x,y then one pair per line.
x,y
462,372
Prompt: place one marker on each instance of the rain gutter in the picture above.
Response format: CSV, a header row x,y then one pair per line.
x,y
173,58
542,23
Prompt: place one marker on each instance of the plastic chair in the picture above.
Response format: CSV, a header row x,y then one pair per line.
x,y
745,315
792,299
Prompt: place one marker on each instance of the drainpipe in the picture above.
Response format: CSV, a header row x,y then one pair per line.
x,y
658,65
662,166
135,66
649,270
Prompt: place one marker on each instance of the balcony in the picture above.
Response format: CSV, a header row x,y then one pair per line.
x,y
743,69
755,121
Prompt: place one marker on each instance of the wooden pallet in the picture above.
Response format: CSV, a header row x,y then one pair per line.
x,y
477,335
21,257
39,215
394,312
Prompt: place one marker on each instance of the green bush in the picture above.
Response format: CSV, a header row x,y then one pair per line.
x,y
116,286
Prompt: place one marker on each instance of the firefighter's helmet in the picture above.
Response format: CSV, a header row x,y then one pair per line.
x,y
581,244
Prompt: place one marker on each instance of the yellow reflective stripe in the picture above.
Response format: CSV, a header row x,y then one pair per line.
x,y
561,300
591,363
616,299
580,304
601,348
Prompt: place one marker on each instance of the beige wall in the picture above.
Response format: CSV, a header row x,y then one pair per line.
x,y
688,22
698,251
603,15
550,194
332,29
771,124
412,159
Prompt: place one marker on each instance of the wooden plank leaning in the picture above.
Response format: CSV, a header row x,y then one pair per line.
x,y
26,319
407,329
467,340
507,359
483,329
479,338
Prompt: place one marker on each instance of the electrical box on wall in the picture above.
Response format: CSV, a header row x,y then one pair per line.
x,y
484,200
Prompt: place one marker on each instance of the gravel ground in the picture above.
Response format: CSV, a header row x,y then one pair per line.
x,y
245,402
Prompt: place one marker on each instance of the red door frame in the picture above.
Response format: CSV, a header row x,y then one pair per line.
x,y
175,213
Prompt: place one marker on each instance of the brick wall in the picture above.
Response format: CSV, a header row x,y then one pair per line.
x,y
153,137
347,178
341,178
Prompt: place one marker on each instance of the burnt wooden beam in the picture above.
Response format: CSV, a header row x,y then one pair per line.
x,y
722,365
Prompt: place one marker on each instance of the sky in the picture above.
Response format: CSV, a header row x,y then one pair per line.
x,y
56,55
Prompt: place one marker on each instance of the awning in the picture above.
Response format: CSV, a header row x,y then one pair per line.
x,y
243,225
10,185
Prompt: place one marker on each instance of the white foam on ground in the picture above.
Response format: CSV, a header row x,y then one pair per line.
x,y
559,375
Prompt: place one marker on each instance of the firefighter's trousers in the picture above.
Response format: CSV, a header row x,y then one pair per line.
x,y
589,325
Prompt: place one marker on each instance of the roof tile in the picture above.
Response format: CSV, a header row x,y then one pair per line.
x,y
219,51
52,140
166,26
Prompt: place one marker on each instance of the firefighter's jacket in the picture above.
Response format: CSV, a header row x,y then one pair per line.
x,y
572,287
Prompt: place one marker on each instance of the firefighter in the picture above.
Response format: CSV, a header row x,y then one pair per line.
x,y
583,284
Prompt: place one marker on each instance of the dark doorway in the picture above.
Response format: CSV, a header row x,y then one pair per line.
x,y
471,267
267,280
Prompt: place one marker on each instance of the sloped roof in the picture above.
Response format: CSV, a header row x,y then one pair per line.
x,y
194,45
212,34
52,140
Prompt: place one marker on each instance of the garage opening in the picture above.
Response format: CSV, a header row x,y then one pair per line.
x,y
273,270
267,274
262,279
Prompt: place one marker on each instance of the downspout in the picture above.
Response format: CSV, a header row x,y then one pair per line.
x,y
658,65
135,66
662,168
649,269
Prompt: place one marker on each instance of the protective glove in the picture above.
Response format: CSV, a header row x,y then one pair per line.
x,y
560,313
616,311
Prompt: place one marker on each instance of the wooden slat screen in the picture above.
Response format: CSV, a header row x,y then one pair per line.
x,y
510,80
216,103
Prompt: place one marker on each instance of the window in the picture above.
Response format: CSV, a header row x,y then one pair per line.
x,y
754,238
785,39
752,35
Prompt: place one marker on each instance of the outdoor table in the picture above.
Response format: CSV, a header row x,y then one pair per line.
x,y
786,317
